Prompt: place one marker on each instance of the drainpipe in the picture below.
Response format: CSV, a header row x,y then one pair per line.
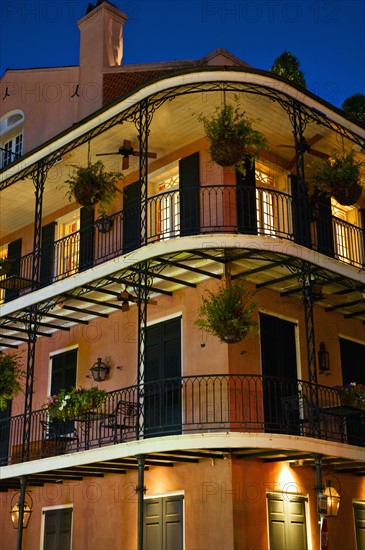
x,y
19,537
140,490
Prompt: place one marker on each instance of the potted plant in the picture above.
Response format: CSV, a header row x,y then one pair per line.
x,y
11,375
228,312
72,404
93,184
6,266
232,137
339,176
352,395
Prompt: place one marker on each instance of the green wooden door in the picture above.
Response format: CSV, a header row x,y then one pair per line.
x,y
162,377
287,522
163,523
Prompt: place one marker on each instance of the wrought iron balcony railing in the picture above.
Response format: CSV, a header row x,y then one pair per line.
x,y
192,404
208,209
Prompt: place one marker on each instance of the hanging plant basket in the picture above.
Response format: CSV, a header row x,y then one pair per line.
x,y
231,136
339,176
93,184
228,312
74,403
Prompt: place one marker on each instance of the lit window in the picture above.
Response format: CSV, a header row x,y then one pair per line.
x,y
11,137
347,241
164,205
68,245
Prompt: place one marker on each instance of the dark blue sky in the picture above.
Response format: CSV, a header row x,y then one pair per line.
x,y
328,37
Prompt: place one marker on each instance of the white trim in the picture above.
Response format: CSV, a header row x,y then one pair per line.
x,y
165,318
350,338
203,241
165,494
189,441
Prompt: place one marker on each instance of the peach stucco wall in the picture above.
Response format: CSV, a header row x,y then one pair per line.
x,y
225,505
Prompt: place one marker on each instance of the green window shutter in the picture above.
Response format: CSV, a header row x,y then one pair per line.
x,y
189,185
173,523
246,199
323,215
47,254
14,253
131,217
86,238
153,524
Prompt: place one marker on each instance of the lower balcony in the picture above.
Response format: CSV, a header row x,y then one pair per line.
x,y
248,404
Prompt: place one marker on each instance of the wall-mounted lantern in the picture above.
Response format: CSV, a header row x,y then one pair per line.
x,y
16,509
99,370
333,500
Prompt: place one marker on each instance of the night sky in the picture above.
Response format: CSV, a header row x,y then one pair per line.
x,y
327,37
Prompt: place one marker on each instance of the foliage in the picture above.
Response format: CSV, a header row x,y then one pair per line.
x,y
11,375
287,65
351,392
6,266
340,177
232,137
70,404
228,312
354,107
92,184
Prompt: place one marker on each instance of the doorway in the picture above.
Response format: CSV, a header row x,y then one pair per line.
x,y
279,371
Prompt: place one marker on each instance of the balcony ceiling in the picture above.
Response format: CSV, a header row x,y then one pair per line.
x,y
175,124
172,272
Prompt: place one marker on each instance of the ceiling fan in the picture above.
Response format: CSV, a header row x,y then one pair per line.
x,y
126,150
125,297
307,148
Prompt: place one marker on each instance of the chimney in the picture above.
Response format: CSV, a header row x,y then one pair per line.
x,y
101,46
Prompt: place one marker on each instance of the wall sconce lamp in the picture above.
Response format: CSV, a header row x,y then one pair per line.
x,y
333,499
15,510
323,359
99,370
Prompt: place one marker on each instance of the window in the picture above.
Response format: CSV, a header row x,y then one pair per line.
x,y
68,244
163,523
272,203
164,205
63,376
3,254
57,529
348,245
11,137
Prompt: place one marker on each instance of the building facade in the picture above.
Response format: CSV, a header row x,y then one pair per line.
x,y
198,443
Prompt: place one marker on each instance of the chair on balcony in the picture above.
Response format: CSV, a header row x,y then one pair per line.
x,y
296,413
58,437
121,421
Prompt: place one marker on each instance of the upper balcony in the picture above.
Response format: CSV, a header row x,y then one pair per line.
x,y
183,202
